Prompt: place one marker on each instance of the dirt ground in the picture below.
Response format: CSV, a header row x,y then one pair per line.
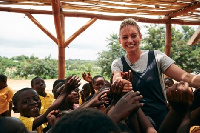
x,y
19,84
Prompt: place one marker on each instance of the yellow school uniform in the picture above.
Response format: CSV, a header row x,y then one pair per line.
x,y
6,95
46,102
28,122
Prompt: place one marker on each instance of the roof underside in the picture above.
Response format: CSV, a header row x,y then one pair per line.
x,y
183,12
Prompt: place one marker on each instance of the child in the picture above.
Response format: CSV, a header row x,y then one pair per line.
x,y
98,82
27,102
84,93
56,87
6,94
47,99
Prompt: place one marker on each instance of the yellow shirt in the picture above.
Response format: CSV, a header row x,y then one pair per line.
x,y
46,102
6,95
195,129
28,122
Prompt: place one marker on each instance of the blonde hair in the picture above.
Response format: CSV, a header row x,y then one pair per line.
x,y
129,21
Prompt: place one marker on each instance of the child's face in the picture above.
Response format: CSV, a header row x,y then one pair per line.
x,y
99,83
39,85
29,103
73,97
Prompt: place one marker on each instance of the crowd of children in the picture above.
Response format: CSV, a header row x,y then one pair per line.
x,y
98,107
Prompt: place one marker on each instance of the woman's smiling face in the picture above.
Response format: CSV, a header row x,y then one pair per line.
x,y
130,38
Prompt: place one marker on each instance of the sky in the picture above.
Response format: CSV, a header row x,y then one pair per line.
x,y
20,36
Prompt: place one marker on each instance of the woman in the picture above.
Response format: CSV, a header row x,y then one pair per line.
x,y
147,68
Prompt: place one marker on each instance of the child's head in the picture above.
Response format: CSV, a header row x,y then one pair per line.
x,y
38,84
87,120
3,81
98,82
57,87
26,102
86,90
168,82
12,125
73,97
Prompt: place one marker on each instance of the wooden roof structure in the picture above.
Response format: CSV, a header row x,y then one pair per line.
x,y
168,12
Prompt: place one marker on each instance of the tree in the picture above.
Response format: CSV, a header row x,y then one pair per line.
x,y
45,68
106,57
186,57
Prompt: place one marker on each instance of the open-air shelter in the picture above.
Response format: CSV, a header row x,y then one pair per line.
x,y
168,12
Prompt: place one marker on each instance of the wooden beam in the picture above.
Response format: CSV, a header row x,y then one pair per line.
x,y
58,27
195,37
77,33
185,10
20,10
168,39
102,17
41,27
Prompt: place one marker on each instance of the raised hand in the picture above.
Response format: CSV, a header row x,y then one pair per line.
x,y
97,100
180,96
86,77
127,104
127,75
53,117
116,91
71,83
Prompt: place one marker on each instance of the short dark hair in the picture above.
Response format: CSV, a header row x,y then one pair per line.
x,y
58,81
96,77
3,78
32,81
86,120
16,95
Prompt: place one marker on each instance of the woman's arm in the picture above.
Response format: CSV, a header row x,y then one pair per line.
x,y
178,74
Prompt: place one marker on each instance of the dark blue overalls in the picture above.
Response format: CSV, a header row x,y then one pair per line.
x,y
148,83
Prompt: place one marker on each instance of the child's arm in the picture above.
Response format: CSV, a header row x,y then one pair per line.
x,y
145,124
97,100
180,97
88,78
127,104
8,112
72,82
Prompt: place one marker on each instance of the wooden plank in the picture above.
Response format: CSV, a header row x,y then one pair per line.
x,y
61,51
195,37
168,39
77,33
41,27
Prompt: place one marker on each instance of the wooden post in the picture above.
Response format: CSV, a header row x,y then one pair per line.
x,y
61,62
59,26
168,39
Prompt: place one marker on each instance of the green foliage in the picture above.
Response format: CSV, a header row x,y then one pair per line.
x,y
155,39
31,67
186,57
106,58
28,67
77,67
